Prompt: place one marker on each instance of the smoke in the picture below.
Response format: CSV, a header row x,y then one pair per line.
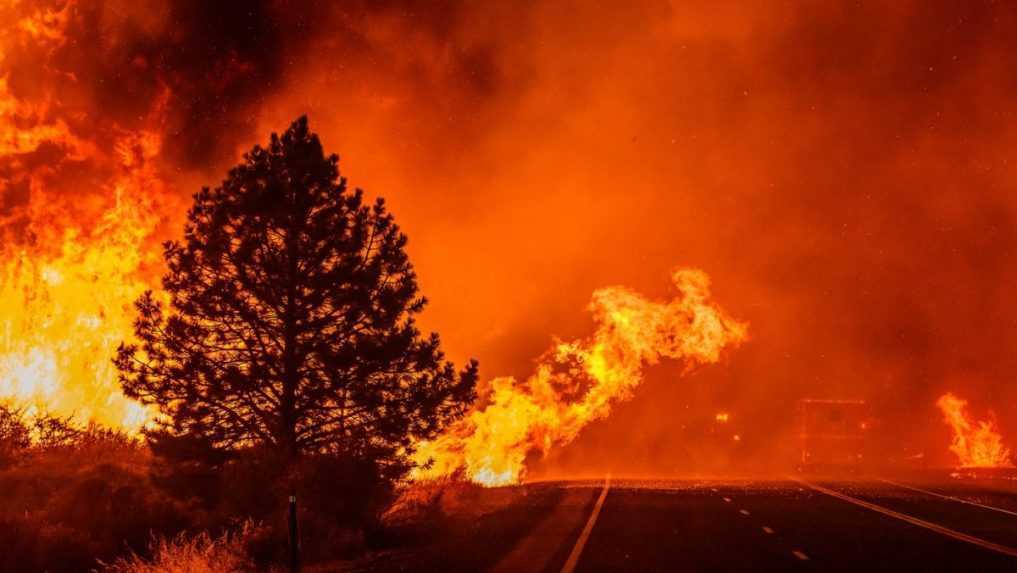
x,y
840,169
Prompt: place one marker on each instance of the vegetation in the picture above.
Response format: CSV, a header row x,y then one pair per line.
x,y
193,554
15,434
290,325
97,493
73,494
285,358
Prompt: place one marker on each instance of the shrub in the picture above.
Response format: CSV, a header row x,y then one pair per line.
x,y
31,544
255,483
15,434
201,553
82,496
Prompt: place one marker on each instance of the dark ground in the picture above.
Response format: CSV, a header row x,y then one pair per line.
x,y
718,525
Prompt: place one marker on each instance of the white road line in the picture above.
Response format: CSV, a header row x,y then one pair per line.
x,y
573,560
727,499
914,520
767,530
743,511
801,556
951,498
713,489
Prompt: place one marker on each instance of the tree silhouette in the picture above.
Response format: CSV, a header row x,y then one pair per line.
x,y
290,319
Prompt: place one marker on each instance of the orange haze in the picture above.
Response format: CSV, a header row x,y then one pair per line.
x,y
843,171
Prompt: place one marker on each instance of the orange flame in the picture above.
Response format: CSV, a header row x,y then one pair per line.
x,y
577,382
63,313
977,444
70,263
63,316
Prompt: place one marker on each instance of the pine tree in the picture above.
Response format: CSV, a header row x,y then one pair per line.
x,y
289,319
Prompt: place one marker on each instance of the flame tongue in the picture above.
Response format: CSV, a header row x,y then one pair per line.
x,y
978,443
66,286
62,316
577,382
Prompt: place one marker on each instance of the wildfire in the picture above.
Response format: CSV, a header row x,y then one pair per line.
x,y
578,382
977,443
64,315
76,215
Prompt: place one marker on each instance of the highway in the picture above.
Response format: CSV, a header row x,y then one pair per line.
x,y
774,525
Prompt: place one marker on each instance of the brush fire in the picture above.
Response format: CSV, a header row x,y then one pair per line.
x,y
578,382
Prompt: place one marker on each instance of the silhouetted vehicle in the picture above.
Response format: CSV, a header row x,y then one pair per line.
x,y
831,434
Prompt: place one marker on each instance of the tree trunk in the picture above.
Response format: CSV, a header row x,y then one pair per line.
x,y
288,414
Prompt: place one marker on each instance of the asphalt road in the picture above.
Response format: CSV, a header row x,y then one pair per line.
x,y
777,525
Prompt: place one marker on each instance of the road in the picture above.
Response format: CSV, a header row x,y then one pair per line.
x,y
775,525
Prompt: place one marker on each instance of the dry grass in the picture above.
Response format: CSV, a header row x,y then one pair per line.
x,y
195,554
